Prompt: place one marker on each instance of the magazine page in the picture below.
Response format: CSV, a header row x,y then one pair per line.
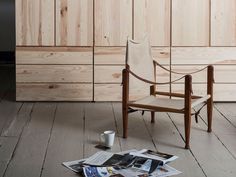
x,y
164,171
111,172
99,158
76,166
155,155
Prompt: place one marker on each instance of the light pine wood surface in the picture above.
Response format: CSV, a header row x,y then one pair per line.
x,y
113,22
203,55
152,17
223,23
54,92
54,73
74,23
190,22
34,23
54,55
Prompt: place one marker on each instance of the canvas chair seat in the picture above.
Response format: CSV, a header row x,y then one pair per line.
x,y
161,103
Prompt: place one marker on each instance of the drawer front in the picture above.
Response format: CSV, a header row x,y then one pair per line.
x,y
54,92
54,55
116,55
54,73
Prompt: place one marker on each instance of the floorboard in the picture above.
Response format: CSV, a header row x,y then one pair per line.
x,y
29,155
98,118
223,129
8,112
66,143
138,135
7,146
167,139
228,111
212,156
15,126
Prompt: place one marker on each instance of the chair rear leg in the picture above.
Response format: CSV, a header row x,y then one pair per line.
x,y
210,81
187,125
125,122
152,117
209,114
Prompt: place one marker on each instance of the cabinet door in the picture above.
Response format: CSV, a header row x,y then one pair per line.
x,y
113,22
34,23
74,22
223,23
190,22
152,17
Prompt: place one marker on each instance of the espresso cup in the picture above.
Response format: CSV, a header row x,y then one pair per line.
x,y
107,138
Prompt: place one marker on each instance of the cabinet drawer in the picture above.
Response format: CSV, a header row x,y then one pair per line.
x,y
54,73
116,55
54,92
54,55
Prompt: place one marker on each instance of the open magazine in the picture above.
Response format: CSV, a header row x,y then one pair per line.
x,y
131,163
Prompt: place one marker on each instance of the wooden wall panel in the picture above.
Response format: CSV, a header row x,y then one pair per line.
x,y
223,73
34,23
113,74
74,22
108,74
54,92
203,55
222,92
152,17
113,92
113,22
54,73
223,23
116,55
54,55
190,22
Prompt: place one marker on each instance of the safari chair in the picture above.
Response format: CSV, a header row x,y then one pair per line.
x,y
139,78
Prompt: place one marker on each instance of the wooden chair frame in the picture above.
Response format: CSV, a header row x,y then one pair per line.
x,y
187,101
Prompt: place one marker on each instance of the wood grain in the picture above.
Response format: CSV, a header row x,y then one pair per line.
x,y
223,23
67,137
54,55
54,73
152,17
203,55
53,92
74,23
190,22
113,92
207,149
7,146
34,23
96,122
32,147
222,92
107,92
167,139
113,74
222,74
113,22
108,74
116,55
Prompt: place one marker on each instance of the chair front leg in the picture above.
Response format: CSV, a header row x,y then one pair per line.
x,y
210,81
153,92
187,110
125,76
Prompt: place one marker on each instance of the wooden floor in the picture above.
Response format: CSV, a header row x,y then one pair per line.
x,y
35,138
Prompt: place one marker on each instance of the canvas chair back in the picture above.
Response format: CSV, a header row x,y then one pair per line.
x,y
140,62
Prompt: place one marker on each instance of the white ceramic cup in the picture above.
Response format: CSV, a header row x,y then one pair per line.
x,y
107,138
